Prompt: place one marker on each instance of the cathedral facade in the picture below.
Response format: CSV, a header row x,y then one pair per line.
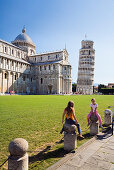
x,y
25,72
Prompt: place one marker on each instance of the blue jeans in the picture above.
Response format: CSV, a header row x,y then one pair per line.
x,y
73,122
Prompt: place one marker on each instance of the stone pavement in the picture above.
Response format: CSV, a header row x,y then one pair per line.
x,y
96,154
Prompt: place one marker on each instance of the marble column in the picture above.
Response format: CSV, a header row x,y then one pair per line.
x,y
58,85
14,67
66,86
8,64
0,62
3,63
70,86
8,74
63,85
0,81
17,66
18,79
10,81
13,81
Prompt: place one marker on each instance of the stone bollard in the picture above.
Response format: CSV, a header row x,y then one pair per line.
x,y
108,117
70,137
94,125
18,159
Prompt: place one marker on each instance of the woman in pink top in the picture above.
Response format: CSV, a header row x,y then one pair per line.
x,y
94,107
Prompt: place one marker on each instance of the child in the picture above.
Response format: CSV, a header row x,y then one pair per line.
x,y
94,107
69,112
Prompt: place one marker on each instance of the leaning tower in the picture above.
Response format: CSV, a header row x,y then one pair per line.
x,y
86,68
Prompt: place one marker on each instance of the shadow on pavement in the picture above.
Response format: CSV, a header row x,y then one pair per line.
x,y
107,132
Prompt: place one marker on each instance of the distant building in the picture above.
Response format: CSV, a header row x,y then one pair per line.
x,y
110,85
86,68
95,89
25,72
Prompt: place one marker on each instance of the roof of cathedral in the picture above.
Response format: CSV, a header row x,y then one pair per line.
x,y
11,45
47,53
15,58
48,62
51,62
23,37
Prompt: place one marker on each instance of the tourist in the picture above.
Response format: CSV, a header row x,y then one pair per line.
x,y
69,112
94,107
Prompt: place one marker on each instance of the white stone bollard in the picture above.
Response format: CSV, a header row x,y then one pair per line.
x,y
94,128
18,159
112,114
70,137
94,125
108,117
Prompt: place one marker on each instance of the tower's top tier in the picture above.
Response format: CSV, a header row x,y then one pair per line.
x,y
87,44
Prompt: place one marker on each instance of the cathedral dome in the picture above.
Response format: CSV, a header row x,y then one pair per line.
x,y
23,37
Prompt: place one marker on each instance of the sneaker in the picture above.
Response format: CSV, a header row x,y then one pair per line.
x,y
81,136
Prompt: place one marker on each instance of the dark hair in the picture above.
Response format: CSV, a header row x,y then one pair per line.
x,y
93,99
70,107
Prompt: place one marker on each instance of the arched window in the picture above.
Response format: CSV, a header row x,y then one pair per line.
x,y
53,66
18,54
15,77
5,49
24,78
44,67
31,51
41,80
5,75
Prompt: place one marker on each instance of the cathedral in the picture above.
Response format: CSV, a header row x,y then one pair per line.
x,y
24,72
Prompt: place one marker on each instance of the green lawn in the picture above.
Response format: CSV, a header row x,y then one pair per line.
x,y
38,120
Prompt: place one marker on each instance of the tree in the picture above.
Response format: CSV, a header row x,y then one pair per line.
x,y
100,86
74,87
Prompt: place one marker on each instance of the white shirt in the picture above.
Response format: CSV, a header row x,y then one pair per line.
x,y
93,106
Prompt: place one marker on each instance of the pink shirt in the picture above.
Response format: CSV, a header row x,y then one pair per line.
x,y
93,106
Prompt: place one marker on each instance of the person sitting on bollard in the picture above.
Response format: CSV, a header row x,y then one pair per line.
x,y
69,112
94,111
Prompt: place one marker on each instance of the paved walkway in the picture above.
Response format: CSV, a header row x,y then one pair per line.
x,y
96,154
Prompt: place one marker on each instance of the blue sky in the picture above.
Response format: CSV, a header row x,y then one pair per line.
x,y
53,23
